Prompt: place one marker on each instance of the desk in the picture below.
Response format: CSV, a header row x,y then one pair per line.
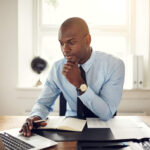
x,y
8,122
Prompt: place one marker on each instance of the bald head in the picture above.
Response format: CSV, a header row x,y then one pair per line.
x,y
75,39
78,23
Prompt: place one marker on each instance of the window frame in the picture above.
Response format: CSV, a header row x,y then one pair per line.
x,y
127,30
28,37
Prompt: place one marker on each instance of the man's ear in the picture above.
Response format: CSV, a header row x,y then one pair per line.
x,y
88,39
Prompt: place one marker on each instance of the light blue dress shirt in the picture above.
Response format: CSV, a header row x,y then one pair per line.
x,y
105,79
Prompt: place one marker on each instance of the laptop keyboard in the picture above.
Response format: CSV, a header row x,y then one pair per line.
x,y
13,143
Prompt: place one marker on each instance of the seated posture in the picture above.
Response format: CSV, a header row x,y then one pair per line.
x,y
90,81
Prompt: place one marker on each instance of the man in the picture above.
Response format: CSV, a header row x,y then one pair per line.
x,y
100,92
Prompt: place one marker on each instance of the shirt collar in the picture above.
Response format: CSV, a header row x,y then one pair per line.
x,y
86,66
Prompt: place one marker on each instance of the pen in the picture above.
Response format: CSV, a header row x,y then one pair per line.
x,y
39,121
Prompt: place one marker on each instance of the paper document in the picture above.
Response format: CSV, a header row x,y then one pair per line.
x,y
64,123
116,122
131,133
122,127
141,131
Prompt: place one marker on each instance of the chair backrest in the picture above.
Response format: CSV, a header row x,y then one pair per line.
x,y
62,106
115,114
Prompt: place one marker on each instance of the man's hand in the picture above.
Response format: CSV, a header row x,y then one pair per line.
x,y
29,125
72,72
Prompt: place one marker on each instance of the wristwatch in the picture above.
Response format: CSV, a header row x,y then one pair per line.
x,y
81,89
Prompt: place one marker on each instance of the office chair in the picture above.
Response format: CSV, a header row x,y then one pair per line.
x,y
62,106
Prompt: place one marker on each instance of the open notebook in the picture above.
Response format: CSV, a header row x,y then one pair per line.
x,y
64,123
12,140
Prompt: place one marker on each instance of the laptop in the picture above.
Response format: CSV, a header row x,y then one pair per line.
x,y
12,139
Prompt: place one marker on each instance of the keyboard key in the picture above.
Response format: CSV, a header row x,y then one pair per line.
x,y
13,143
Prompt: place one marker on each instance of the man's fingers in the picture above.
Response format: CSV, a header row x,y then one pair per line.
x,y
67,67
28,130
66,70
42,124
30,123
72,59
37,125
21,130
69,63
24,130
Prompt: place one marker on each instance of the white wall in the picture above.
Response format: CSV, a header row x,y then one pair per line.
x,y
10,103
8,55
14,101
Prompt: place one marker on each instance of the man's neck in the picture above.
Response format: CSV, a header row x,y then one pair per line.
x,y
88,56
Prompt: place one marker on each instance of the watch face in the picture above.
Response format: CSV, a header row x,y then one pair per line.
x,y
83,87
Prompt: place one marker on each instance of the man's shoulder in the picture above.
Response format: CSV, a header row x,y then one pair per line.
x,y
56,68
59,63
105,57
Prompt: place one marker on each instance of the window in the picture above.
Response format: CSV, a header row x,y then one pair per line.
x,y
109,23
115,26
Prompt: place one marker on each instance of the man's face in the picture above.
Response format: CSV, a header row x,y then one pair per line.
x,y
73,43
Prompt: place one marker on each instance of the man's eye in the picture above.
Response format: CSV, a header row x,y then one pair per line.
x,y
72,42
